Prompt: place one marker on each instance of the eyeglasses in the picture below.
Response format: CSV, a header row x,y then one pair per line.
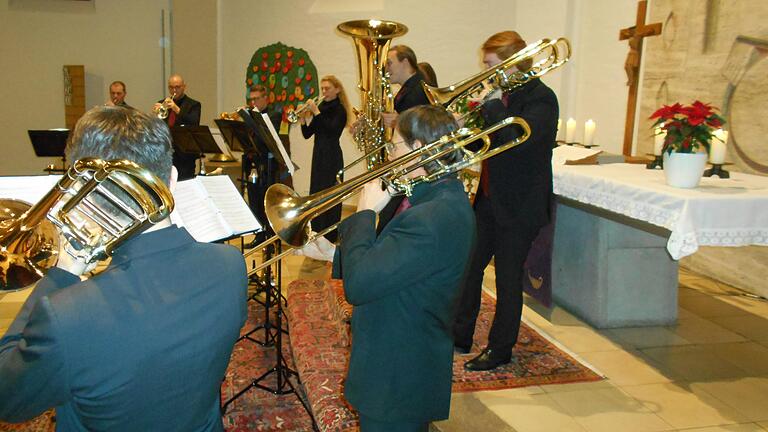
x,y
391,146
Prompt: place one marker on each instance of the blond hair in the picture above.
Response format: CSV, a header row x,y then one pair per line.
x,y
342,95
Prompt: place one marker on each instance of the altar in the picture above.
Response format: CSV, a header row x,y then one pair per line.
x,y
620,231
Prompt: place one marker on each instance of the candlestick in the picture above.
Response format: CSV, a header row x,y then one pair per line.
x,y
570,130
658,141
589,132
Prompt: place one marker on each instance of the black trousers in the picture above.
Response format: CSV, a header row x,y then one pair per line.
x,y
509,243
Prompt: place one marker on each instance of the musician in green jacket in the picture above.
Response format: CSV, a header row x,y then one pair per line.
x,y
403,285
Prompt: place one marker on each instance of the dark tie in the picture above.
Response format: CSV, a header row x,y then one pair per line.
x,y
484,178
171,117
404,205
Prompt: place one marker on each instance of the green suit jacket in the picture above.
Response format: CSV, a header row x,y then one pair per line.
x,y
404,285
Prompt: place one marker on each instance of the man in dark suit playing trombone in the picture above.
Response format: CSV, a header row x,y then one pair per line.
x,y
403,284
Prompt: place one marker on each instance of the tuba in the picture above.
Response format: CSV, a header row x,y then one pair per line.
x,y
372,39
96,205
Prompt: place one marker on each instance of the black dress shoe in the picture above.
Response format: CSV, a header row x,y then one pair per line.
x,y
461,349
489,359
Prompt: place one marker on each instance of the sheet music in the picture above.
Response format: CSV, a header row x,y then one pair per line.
x,y
228,200
565,153
27,188
219,140
195,211
286,158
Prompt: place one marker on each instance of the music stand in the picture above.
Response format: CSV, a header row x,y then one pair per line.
x,y
259,127
50,143
195,140
265,142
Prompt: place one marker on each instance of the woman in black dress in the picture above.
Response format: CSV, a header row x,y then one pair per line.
x,y
326,121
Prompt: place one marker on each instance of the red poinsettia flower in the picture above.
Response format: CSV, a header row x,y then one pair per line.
x,y
688,127
666,112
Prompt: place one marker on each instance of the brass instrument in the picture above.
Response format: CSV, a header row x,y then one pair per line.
x,y
88,206
230,115
289,214
163,109
295,114
372,39
544,56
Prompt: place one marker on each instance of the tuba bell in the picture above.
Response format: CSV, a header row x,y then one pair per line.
x,y
372,39
96,205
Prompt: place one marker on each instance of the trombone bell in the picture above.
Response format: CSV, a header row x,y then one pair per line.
x,y
284,208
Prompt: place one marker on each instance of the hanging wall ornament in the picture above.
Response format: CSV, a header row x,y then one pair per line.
x,y
289,75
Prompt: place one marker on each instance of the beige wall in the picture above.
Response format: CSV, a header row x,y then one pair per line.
x,y
113,39
694,58
194,41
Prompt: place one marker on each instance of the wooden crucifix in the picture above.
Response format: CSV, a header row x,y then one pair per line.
x,y
635,35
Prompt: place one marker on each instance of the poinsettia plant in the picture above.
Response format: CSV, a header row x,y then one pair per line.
x,y
687,127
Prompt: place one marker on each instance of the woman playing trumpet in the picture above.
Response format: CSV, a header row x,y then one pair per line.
x,y
326,121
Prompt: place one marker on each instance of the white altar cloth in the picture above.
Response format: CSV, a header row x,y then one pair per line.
x,y
719,212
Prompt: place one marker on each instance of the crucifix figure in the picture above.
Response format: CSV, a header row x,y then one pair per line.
x,y
635,35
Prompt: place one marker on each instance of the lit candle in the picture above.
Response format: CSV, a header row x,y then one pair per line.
x,y
559,130
570,130
589,132
658,141
717,147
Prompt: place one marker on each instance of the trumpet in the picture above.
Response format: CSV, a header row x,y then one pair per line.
x,y
233,115
289,214
163,109
295,114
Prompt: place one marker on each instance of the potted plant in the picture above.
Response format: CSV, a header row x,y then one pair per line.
x,y
688,130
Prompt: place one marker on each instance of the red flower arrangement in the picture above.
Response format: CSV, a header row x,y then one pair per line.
x,y
687,127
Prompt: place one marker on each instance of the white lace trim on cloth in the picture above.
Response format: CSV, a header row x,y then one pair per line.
x,y
701,218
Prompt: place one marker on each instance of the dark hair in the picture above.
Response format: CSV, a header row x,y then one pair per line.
x,y
405,52
506,43
112,132
427,123
118,83
428,74
258,88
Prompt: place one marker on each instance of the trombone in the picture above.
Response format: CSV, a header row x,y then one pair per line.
x,y
290,214
544,56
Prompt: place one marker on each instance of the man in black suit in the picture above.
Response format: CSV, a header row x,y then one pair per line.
x,y
117,95
263,166
511,205
404,284
403,69
144,344
182,111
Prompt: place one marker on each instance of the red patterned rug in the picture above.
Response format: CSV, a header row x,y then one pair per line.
x,y
535,360
317,332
